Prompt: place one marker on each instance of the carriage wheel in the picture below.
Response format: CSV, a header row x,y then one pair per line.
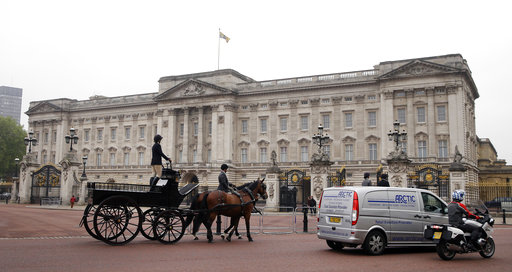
x,y
88,219
117,220
169,227
147,224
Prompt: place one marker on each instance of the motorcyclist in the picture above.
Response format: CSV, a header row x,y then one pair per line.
x,y
456,211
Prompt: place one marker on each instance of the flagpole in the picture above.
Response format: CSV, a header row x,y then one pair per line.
x,y
218,51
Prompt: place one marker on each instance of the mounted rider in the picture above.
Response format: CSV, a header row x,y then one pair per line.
x,y
456,211
224,184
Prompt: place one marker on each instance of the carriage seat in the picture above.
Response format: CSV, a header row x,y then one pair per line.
x,y
185,190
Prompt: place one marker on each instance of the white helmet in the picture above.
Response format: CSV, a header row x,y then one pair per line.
x,y
458,195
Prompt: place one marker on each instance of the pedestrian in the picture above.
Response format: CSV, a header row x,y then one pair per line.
x,y
156,159
72,201
312,204
383,181
367,181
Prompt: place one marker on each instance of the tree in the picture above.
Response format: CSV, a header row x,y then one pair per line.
x,y
11,145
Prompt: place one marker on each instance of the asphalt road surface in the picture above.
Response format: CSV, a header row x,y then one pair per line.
x,y
35,239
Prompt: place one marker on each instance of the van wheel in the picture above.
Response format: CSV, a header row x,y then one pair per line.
x,y
335,245
375,243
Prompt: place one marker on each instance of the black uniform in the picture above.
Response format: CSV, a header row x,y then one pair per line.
x,y
157,156
223,182
383,182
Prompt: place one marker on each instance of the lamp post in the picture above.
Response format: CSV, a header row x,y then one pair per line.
x,y
84,176
320,139
30,141
397,136
71,138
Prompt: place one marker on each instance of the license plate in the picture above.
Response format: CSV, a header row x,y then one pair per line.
x,y
334,219
437,235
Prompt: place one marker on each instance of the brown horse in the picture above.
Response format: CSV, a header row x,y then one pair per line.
x,y
211,204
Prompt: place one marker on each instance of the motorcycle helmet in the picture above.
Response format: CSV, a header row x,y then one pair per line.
x,y
458,195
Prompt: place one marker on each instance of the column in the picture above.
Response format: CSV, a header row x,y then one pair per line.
x,y
171,134
185,134
398,168
200,136
319,172
272,181
27,166
228,133
215,124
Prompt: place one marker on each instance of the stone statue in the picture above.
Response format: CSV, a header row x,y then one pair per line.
x,y
458,157
273,157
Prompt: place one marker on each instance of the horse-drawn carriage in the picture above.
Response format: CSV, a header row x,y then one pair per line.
x,y
116,213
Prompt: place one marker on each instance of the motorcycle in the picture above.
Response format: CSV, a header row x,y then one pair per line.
x,y
451,240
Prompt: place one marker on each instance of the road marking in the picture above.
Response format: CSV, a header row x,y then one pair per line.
x,y
43,238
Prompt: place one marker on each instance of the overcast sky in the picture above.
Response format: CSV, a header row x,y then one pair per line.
x,y
76,49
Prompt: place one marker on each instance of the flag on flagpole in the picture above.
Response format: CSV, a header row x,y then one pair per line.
x,y
222,36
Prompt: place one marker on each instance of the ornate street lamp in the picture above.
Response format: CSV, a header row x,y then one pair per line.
x,y
84,176
397,136
320,139
71,138
30,141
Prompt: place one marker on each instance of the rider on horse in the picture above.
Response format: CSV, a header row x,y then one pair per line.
x,y
224,184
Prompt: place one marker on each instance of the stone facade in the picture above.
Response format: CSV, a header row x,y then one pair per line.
x,y
218,117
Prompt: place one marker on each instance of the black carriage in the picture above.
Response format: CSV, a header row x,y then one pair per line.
x,y
114,213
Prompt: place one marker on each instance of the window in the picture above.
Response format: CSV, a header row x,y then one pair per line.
x,y
283,156
54,137
45,137
372,118
304,102
325,100
142,132
52,158
195,157
126,159
283,123
112,159
349,152
443,148
326,121
263,154
263,125
182,129
403,145
348,119
127,133
441,113
141,158
209,156
348,98
113,134
263,106
45,158
327,150
98,159
304,155
100,134
372,148
421,114
244,126
196,128
422,149
304,122
210,128
401,116
243,157
432,204
400,94
86,135
372,97
180,156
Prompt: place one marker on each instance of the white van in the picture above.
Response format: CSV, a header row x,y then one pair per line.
x,y
378,217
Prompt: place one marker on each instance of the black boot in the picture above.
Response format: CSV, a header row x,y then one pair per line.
x,y
153,184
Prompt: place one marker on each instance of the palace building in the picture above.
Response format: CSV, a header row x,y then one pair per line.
x,y
223,116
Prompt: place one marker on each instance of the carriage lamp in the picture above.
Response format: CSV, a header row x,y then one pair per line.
x,y
397,136
71,138
30,141
84,176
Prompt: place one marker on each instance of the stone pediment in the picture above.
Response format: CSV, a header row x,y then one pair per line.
x,y
419,68
44,107
193,88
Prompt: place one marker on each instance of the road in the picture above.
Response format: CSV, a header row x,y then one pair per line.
x,y
35,239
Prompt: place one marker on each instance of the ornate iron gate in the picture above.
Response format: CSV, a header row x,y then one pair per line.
x,y
430,177
337,179
45,184
294,184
